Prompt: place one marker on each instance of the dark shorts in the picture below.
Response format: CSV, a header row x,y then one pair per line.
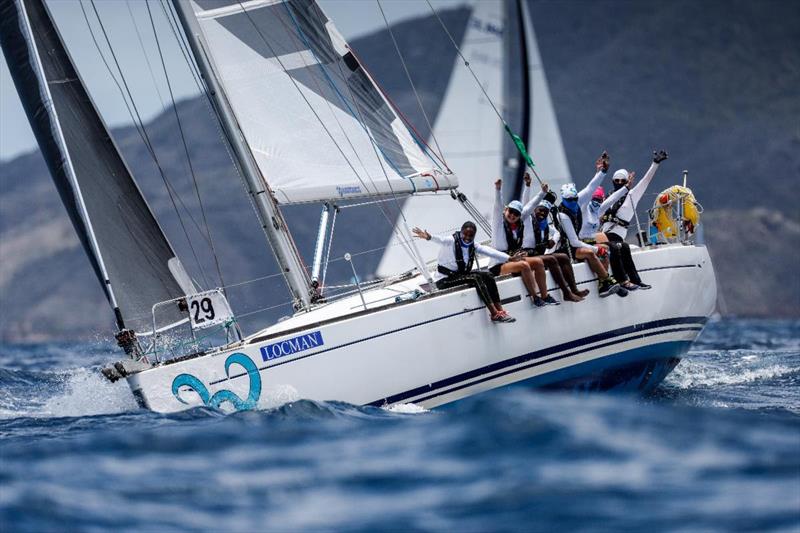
x,y
495,270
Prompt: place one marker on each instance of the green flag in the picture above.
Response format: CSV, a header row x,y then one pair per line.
x,y
520,146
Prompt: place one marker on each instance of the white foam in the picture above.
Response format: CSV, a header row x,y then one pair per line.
x,y
86,392
277,396
406,408
693,375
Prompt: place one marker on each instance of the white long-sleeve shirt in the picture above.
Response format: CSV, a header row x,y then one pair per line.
x,y
569,233
499,240
585,194
447,254
529,238
591,217
628,208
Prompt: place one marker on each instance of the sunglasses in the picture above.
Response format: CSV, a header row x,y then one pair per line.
x,y
514,213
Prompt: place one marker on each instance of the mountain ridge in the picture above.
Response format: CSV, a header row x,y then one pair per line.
x,y
628,91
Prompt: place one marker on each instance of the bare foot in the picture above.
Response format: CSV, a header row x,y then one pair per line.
x,y
583,294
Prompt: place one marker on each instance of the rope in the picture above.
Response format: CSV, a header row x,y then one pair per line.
x,y
185,146
300,91
140,128
411,250
146,57
517,141
413,87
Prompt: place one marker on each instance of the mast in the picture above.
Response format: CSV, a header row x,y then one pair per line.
x,y
270,216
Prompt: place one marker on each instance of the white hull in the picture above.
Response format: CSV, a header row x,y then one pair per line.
x,y
442,348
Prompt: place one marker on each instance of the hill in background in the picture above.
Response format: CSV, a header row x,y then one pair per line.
x,y
713,82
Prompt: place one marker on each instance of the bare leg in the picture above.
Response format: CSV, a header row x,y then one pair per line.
x,y
552,264
537,266
594,263
569,274
524,270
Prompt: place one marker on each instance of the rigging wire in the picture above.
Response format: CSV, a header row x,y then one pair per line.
x,y
415,256
302,94
183,44
517,141
185,145
411,82
329,104
314,111
139,124
146,56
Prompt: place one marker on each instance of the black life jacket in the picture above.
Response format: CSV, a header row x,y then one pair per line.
x,y
575,218
611,214
541,236
514,243
463,266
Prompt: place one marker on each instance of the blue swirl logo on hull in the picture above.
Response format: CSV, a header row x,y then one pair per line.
x,y
222,396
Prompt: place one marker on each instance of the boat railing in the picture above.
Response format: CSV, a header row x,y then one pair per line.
x,y
209,325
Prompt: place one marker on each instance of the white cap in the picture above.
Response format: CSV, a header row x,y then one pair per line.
x,y
621,174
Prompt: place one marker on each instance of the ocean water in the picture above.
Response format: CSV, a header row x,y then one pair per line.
x,y
716,447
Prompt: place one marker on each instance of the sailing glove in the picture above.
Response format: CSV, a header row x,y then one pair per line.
x,y
659,156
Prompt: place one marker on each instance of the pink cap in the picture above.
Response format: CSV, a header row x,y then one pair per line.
x,y
599,194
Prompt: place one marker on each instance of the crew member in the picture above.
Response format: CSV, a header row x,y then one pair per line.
x,y
508,233
569,221
618,218
456,259
539,240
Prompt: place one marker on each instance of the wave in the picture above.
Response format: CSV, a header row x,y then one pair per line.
x,y
73,392
690,374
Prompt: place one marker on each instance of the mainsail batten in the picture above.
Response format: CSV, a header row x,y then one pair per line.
x,y
317,126
130,254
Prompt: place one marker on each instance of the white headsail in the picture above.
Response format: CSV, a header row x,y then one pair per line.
x,y
316,123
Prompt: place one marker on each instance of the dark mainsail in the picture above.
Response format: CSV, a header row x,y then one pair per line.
x,y
128,250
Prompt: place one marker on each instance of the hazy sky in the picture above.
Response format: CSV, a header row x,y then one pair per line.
x,y
352,17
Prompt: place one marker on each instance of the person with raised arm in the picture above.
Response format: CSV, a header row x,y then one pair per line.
x,y
540,238
508,233
569,221
619,217
455,267
590,231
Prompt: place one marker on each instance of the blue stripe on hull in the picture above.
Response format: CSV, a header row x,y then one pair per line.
x,y
641,369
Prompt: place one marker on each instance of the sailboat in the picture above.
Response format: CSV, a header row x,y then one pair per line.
x,y
282,79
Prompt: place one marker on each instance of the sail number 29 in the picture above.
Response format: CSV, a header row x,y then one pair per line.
x,y
208,309
205,306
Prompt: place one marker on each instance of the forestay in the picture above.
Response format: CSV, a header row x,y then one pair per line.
x,y
316,123
129,252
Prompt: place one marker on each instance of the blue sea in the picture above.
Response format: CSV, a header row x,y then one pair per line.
x,y
716,448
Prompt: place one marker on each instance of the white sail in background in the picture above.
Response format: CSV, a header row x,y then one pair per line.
x,y
472,137
544,142
468,132
314,120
